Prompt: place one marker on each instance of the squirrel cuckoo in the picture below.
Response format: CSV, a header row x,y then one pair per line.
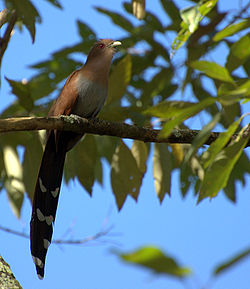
x,y
83,94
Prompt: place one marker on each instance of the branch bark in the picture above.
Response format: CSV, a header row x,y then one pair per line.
x,y
7,278
103,127
5,40
3,16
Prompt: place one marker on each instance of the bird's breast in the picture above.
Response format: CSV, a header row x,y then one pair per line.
x,y
91,98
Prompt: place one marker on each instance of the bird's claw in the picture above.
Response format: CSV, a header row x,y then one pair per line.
x,y
75,118
71,118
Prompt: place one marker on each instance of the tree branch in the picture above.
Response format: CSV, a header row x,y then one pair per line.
x,y
7,278
5,40
3,16
103,127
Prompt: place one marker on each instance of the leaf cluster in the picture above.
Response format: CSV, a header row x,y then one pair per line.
x,y
158,262
146,87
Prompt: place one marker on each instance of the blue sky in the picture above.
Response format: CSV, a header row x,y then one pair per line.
x,y
197,236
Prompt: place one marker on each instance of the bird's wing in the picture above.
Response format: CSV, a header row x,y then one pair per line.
x,y
65,101
67,98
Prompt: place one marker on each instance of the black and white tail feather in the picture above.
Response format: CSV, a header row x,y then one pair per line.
x,y
46,199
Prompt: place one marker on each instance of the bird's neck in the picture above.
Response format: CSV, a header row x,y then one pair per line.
x,y
97,70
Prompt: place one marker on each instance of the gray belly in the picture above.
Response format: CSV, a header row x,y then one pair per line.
x,y
91,98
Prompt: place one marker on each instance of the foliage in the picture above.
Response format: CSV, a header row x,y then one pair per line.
x,y
154,259
27,13
191,17
145,86
158,262
145,99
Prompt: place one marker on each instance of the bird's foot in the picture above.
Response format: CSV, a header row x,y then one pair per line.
x,y
72,118
75,118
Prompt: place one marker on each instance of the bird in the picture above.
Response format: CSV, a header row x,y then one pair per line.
x,y
83,94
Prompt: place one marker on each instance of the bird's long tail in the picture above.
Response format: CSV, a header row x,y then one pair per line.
x,y
45,201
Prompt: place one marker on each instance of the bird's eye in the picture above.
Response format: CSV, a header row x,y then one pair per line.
x,y
101,46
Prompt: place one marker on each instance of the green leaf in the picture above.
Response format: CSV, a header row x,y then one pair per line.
x,y
41,85
115,112
178,154
160,50
140,33
184,114
191,169
125,175
179,40
153,21
162,168
191,174
119,79
191,16
239,53
59,67
117,19
157,84
206,6
99,171
139,151
140,65
230,113
246,67
172,10
106,146
31,162
201,138
232,29
84,153
220,169
209,156
239,173
19,138
14,182
128,7
87,34
213,70
168,109
83,47
50,73
27,12
228,94
232,262
23,92
2,168
154,259
14,109
55,3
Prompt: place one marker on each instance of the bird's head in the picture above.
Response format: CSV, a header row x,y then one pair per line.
x,y
103,49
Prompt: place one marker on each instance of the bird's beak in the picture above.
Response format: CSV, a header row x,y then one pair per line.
x,y
114,44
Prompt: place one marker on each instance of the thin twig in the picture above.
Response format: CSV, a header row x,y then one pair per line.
x,y
59,241
7,34
3,17
84,240
239,15
20,234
